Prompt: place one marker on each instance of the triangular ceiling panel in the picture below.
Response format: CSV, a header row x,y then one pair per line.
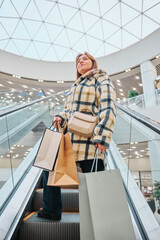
x,y
3,44
3,32
135,27
31,52
76,23
31,12
93,8
67,13
11,48
21,45
50,55
9,24
61,51
96,30
93,43
100,51
154,13
92,20
108,29
149,3
148,26
72,3
109,49
21,31
20,6
73,36
32,27
41,48
54,16
81,45
114,15
115,39
68,56
44,7
53,30
136,4
128,14
105,6
42,34
128,39
60,39
7,5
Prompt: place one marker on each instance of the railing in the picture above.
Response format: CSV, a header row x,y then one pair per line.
x,y
138,101
21,127
136,150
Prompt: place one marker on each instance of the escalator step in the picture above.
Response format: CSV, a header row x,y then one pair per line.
x,y
70,200
34,228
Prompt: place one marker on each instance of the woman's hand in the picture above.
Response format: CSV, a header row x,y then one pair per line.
x,y
101,148
55,120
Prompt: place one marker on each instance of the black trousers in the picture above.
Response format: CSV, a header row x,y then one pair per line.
x,y
52,195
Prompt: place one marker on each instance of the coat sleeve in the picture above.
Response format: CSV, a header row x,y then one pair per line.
x,y
106,98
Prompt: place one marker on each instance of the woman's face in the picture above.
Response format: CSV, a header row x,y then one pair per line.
x,y
84,64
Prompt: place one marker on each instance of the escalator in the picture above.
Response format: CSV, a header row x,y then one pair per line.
x,y
25,196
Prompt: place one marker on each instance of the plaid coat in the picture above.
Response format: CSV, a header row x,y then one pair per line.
x,y
93,91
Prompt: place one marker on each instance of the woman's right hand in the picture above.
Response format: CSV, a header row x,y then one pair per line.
x,y
55,120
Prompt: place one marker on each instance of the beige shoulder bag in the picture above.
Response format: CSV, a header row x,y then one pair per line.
x,y
82,124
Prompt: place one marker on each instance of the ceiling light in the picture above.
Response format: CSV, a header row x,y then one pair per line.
x,y
16,76
121,90
137,77
134,88
10,82
122,94
60,81
118,80
24,86
40,80
128,70
119,84
1,85
140,84
51,90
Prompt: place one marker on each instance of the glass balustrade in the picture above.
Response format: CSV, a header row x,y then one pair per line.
x,y
20,130
139,149
11,98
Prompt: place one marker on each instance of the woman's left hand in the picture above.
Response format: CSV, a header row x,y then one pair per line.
x,y
101,148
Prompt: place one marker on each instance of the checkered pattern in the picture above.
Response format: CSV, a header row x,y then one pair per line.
x,y
93,92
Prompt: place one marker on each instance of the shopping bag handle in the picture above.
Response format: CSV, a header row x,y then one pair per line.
x,y
95,161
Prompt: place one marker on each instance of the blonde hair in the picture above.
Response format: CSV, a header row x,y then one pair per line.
x,y
94,62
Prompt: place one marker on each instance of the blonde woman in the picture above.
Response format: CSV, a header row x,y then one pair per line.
x,y
92,92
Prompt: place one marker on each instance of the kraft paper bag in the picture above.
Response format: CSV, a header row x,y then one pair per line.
x,y
48,150
65,171
104,212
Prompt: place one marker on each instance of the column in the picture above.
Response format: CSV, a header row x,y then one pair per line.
x,y
148,74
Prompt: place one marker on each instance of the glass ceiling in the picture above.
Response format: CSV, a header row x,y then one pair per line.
x,y
57,30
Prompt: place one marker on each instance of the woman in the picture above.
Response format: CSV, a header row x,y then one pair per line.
x,y
92,92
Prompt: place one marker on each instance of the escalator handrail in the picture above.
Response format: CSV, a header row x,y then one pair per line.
x,y
152,124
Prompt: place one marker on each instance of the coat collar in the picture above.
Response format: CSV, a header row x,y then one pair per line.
x,y
90,74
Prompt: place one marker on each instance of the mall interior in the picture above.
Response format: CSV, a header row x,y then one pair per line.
x,y
39,42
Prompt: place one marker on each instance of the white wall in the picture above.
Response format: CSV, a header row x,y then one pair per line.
x,y
53,71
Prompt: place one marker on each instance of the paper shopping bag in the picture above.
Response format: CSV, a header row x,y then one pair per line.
x,y
104,212
65,171
48,150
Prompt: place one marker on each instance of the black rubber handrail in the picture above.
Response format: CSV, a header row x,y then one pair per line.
x,y
152,124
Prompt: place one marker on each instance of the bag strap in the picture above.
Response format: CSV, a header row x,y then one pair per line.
x,y
85,109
